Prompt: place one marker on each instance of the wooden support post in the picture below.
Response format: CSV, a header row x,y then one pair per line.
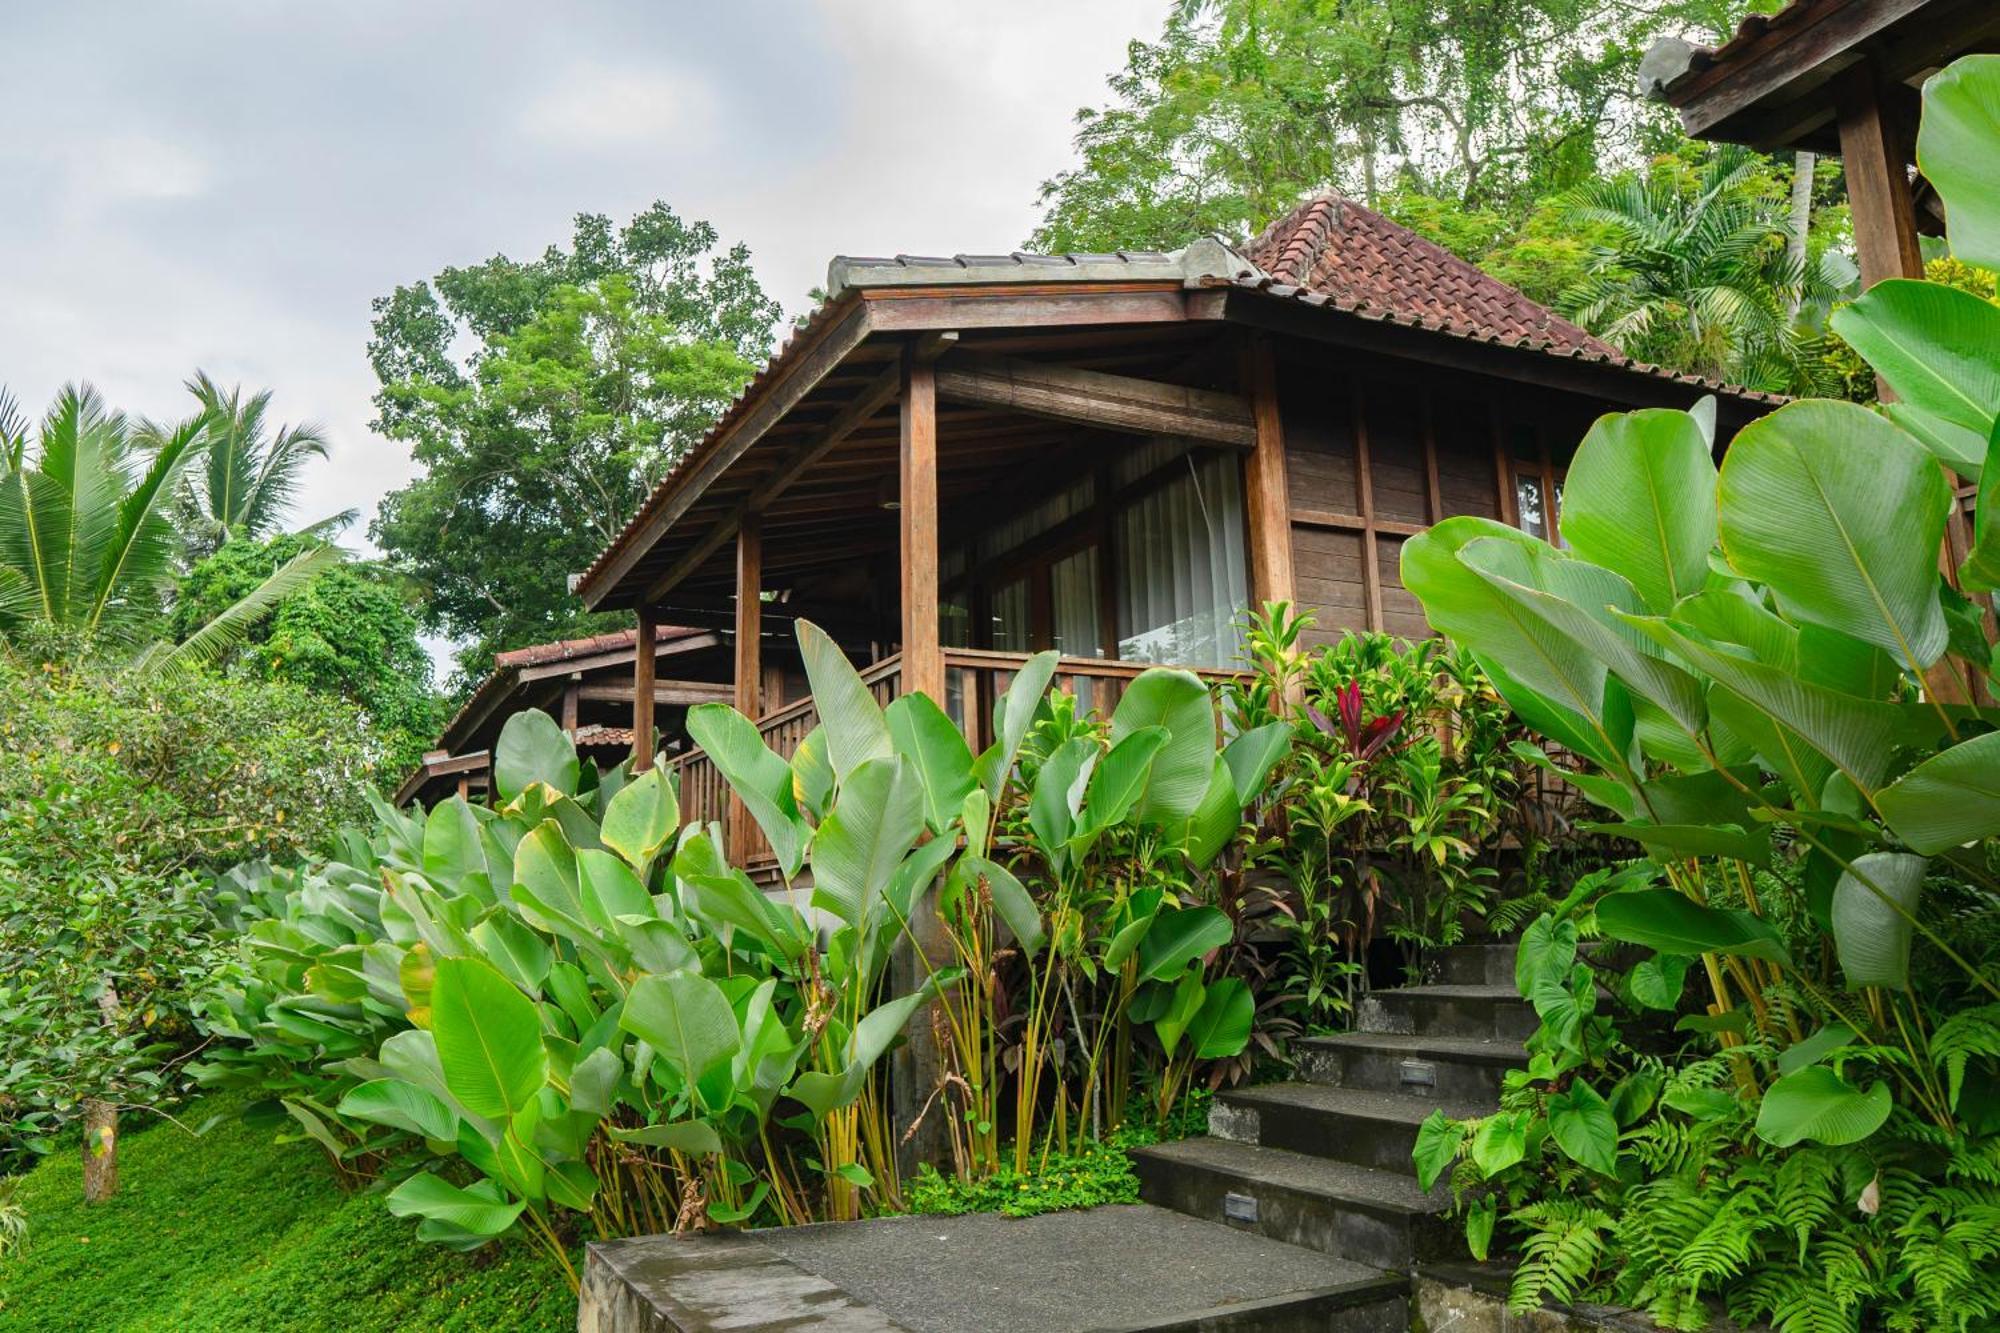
x,y
749,659
923,653
569,702
920,1065
1265,487
643,671
1364,494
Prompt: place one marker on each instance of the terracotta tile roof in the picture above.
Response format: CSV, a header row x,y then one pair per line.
x,y
1363,262
564,649
614,737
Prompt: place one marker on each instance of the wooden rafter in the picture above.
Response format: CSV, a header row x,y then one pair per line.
x,y
1113,402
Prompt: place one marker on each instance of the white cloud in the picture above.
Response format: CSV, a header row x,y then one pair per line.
x,y
589,105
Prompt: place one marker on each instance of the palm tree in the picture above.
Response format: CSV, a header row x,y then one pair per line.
x,y
248,479
1702,274
87,542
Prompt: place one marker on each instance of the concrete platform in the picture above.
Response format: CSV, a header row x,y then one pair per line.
x,y
1132,1267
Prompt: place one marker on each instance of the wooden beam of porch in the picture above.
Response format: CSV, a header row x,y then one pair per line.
x,y
1114,402
678,693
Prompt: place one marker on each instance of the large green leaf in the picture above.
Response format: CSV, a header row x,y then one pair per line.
x,y
760,779
1937,346
1817,1104
1960,449
855,729
686,1018
933,743
1438,1141
1949,799
1874,906
1120,777
473,1211
1221,1027
1840,514
1053,805
1574,599
545,883
1980,571
1215,821
1178,936
1639,500
1581,1123
1013,714
1671,922
405,1106
455,850
1955,152
1251,757
1012,902
531,749
876,819
1178,701
640,820
489,1038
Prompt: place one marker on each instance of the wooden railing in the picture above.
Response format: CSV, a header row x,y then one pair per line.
x,y
974,678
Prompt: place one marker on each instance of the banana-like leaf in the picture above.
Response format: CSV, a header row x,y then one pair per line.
x,y
1639,500
936,747
1183,1007
404,1106
1961,450
693,1137
877,817
531,749
478,1212
760,779
1057,799
855,729
1179,776
1980,571
593,1084
1950,799
1668,921
1251,757
609,890
1669,841
489,1038
1840,514
1961,123
1937,346
1120,777
516,950
545,886
1221,1027
641,818
688,1021
455,850
1178,936
812,775
1215,821
1817,1104
1013,715
1012,902
1872,920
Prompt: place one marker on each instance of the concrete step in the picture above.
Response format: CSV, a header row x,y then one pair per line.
x,y
1366,1128
1453,1069
1492,1012
1371,1216
1486,964
1128,1267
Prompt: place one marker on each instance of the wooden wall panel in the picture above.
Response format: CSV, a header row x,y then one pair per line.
x,y
1396,455
1326,563
1402,614
1464,434
1319,448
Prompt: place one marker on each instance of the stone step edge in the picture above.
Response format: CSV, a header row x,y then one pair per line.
x,y
1162,1152
1443,1049
1361,1292
1271,1094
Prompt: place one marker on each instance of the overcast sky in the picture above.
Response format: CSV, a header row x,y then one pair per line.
x,y
226,184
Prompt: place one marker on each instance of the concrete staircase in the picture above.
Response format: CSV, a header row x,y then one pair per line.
x,y
1324,1162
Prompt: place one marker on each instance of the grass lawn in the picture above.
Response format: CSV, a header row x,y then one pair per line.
x,y
231,1232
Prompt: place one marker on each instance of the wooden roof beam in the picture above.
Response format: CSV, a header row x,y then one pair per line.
x,y
671,692
1095,398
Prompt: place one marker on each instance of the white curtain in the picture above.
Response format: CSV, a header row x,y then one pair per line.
x,y
1182,569
1073,605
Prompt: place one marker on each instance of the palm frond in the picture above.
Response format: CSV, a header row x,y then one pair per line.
x,y
141,555
13,433
213,642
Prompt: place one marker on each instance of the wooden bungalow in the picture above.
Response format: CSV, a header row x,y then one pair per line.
x,y
956,462
586,684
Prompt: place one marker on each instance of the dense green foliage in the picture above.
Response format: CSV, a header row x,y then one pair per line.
x,y
114,791
615,1030
589,371
230,1231
1757,667
349,633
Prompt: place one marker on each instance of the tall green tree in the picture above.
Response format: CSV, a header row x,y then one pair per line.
x,y
87,539
250,470
1700,269
351,632
543,400
1243,106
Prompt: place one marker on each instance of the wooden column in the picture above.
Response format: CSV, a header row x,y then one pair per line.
x,y
1266,490
749,659
569,702
1364,495
1875,156
1875,153
643,672
923,654
919,1066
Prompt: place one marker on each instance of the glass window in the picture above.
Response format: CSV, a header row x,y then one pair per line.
x,y
1528,504
1013,630
1182,571
1074,621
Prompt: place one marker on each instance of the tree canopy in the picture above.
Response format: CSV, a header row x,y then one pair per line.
x,y
543,399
